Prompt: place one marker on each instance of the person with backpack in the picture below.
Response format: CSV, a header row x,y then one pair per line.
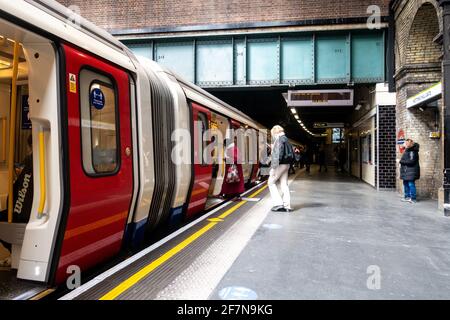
x,y
282,158
23,190
22,203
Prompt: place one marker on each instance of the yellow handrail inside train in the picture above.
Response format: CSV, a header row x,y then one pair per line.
x,y
43,186
4,139
12,130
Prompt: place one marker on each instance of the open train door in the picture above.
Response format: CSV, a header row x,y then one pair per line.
x,y
202,169
100,168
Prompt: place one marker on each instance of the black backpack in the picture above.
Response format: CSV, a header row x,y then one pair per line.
x,y
23,193
288,154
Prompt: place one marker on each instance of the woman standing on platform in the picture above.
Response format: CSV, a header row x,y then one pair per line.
x,y
233,184
282,158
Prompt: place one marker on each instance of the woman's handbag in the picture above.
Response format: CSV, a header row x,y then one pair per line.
x,y
232,174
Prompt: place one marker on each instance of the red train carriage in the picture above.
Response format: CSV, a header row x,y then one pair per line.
x,y
111,161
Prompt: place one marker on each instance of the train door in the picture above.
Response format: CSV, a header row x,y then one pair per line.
x,y
100,160
219,128
30,155
243,140
253,140
202,167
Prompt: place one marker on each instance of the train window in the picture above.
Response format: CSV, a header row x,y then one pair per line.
x,y
203,119
99,123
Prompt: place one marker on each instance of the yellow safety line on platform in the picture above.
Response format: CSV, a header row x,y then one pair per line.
x,y
43,294
152,266
131,281
240,204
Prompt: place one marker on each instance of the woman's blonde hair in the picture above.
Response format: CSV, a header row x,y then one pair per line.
x,y
276,130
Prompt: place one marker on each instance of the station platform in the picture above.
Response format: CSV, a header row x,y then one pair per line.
x,y
340,235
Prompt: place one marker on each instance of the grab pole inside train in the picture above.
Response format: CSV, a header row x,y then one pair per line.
x,y
4,139
43,186
12,130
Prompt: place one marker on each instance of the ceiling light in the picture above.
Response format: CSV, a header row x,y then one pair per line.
x,y
293,110
296,117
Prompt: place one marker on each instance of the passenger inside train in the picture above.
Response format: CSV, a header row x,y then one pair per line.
x,y
16,160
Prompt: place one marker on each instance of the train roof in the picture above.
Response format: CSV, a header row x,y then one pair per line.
x,y
200,95
192,91
50,17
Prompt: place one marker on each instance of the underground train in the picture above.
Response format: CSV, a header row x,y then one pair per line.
x,y
104,129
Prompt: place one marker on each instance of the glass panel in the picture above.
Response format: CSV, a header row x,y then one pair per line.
x,y
203,126
103,127
98,123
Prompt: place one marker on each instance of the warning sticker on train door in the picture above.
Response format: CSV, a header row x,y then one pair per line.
x,y
73,83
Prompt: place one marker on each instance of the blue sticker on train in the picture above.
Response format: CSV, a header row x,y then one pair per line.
x,y
97,99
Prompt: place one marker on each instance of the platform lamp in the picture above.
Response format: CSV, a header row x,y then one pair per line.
x,y
445,4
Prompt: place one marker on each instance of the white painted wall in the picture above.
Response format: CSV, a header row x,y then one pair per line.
x,y
368,169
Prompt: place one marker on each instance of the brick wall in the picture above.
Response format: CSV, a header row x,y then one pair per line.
x,y
418,67
424,29
386,147
113,15
405,12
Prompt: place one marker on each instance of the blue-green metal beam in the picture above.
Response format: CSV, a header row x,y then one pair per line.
x,y
281,59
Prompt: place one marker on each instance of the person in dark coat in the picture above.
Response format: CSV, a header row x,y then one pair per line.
x,y
22,199
302,157
297,156
322,159
342,158
410,170
308,158
22,190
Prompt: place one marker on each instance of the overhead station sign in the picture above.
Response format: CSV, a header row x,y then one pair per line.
x,y
324,125
324,98
426,96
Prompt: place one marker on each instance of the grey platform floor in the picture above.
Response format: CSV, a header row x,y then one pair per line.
x,y
342,235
